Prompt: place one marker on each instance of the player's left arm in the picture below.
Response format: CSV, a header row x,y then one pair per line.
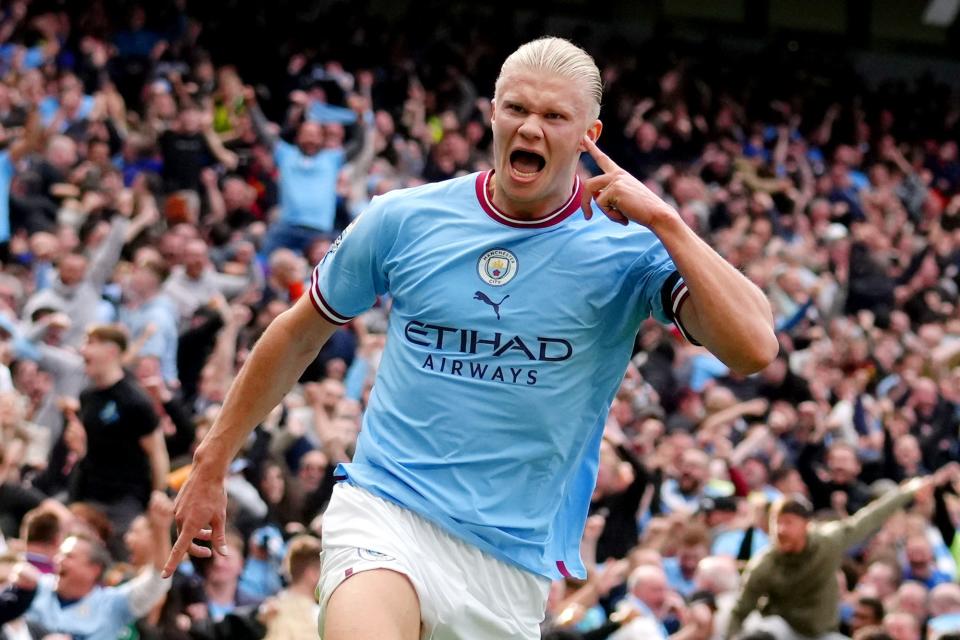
x,y
724,311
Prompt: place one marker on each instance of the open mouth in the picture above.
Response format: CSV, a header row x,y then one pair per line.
x,y
527,163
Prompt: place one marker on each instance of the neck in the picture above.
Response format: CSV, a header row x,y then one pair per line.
x,y
72,592
109,377
303,588
221,591
529,210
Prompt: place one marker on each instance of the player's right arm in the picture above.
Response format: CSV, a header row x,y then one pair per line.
x,y
750,592
289,344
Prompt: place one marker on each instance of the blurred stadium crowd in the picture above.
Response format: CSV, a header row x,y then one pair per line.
x,y
155,218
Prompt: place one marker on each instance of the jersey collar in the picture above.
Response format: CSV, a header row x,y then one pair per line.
x,y
555,217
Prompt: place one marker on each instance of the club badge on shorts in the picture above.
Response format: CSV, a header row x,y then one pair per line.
x,y
497,267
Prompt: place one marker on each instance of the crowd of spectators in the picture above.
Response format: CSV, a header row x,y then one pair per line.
x,y
158,210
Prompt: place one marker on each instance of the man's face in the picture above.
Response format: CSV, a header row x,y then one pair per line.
x,y
790,535
906,451
191,121
76,572
863,616
693,471
918,554
143,283
755,472
98,355
843,465
72,269
653,592
139,541
195,258
912,599
925,395
236,194
310,138
901,627
332,393
538,126
880,578
312,467
690,557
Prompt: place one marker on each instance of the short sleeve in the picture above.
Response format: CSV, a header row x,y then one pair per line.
x,y
145,419
282,152
661,289
351,276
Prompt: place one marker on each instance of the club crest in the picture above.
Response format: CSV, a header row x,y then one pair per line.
x,y
497,267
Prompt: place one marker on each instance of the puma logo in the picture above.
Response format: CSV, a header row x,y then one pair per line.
x,y
482,297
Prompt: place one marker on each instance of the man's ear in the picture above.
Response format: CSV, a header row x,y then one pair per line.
x,y
593,132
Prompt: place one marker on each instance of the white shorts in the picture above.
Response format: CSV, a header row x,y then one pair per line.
x,y
464,593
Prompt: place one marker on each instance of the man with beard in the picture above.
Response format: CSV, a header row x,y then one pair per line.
x,y
797,576
683,494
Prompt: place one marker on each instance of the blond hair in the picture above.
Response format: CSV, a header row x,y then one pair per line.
x,y
559,57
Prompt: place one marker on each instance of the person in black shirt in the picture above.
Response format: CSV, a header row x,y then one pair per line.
x,y
840,477
190,147
126,456
621,482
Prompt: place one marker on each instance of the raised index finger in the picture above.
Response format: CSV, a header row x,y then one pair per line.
x,y
179,550
603,160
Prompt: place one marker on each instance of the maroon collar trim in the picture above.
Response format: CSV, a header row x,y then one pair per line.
x,y
555,217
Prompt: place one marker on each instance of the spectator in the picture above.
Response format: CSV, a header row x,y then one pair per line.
x,y
125,456
42,531
911,597
681,568
920,565
150,317
221,581
719,576
80,281
650,596
308,174
944,610
901,626
867,612
843,469
295,611
195,282
880,579
73,602
683,493
809,558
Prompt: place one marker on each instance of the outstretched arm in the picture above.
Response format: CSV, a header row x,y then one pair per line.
x,y
724,311
857,527
289,344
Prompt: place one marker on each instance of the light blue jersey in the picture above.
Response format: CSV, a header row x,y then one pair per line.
x,y
308,186
507,342
100,615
